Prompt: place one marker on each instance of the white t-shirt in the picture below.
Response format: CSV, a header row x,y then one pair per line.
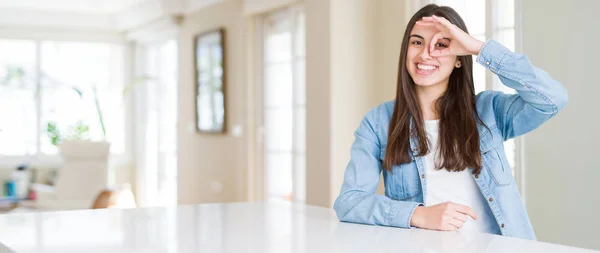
x,y
457,187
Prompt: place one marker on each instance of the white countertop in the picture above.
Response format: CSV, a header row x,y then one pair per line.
x,y
236,227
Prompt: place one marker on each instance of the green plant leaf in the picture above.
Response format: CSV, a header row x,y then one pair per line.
x,y
98,110
79,92
53,133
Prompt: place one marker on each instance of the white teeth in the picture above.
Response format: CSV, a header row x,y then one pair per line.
x,y
425,67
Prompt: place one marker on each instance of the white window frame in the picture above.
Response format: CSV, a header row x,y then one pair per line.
x,y
140,113
261,181
142,40
520,169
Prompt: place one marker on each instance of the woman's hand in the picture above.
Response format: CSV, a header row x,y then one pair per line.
x,y
446,216
461,43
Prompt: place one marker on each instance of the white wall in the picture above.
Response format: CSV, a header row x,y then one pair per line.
x,y
355,76
318,106
562,165
351,66
352,57
393,19
352,53
260,6
209,162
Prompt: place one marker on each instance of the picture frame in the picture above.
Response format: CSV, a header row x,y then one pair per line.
x,y
210,82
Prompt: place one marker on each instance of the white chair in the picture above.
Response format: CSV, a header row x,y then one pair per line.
x,y
83,175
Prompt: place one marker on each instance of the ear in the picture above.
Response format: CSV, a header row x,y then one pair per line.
x,y
458,64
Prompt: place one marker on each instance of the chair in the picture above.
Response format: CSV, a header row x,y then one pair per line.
x,y
83,175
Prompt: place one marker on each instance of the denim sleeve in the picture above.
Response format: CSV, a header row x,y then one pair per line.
x,y
538,98
358,202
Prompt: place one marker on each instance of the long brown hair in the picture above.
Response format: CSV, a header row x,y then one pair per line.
x,y
458,135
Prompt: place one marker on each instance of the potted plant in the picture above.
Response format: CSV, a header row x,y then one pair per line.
x,y
74,140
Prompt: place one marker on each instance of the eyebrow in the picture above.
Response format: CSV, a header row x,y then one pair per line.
x,y
416,35
421,37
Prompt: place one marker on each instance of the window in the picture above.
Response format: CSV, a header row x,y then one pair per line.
x,y
18,105
85,67
489,19
156,123
284,105
60,83
504,32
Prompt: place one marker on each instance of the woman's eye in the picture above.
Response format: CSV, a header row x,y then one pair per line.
x,y
416,42
441,45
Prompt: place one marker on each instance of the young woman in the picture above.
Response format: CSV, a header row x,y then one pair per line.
x,y
439,145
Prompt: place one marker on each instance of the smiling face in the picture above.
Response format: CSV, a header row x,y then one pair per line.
x,y
427,71
453,92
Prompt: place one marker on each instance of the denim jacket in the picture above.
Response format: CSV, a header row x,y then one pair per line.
x,y
538,99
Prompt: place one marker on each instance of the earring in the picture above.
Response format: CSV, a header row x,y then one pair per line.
x,y
458,64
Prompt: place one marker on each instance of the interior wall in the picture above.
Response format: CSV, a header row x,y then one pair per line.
x,y
318,105
392,25
213,167
562,168
260,6
356,71
351,68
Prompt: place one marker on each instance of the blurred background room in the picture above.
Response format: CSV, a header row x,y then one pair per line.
x,y
142,103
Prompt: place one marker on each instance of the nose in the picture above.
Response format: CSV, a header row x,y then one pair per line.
x,y
424,55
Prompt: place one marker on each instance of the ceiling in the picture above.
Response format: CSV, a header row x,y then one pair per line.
x,y
92,15
76,6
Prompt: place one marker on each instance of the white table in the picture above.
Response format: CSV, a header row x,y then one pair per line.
x,y
236,227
